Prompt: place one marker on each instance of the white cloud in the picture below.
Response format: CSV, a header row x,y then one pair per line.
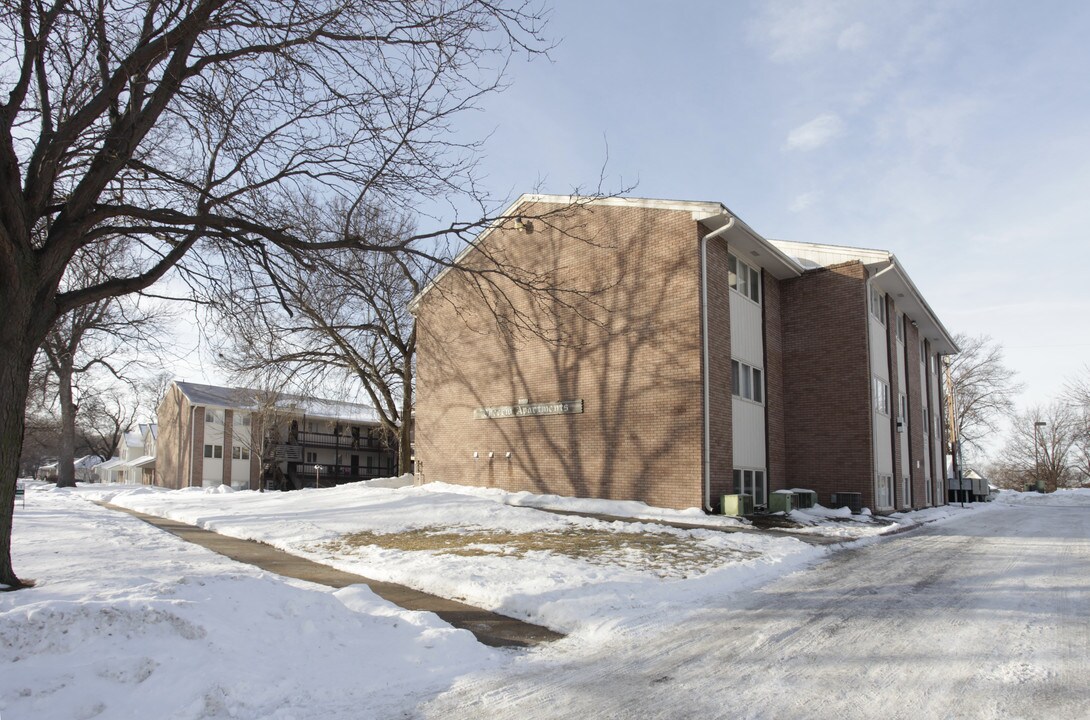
x,y
803,201
853,37
792,31
814,134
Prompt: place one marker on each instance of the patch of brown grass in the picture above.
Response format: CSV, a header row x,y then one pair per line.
x,y
662,553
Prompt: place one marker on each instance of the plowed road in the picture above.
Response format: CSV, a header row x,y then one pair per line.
x,y
984,617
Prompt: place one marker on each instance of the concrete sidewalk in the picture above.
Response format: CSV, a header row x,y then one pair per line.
x,y
489,628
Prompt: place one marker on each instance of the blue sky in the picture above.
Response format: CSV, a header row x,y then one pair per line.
x,y
956,134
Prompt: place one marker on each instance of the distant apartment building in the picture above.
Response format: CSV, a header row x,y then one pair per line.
x,y
681,357
135,461
211,435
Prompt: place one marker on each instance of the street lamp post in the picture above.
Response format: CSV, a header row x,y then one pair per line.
x,y
1036,455
317,476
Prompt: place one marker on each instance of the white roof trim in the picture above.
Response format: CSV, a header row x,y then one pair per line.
x,y
700,210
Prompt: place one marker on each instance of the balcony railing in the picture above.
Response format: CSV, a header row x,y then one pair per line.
x,y
333,440
330,475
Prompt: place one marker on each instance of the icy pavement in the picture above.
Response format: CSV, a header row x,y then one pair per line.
x,y
985,617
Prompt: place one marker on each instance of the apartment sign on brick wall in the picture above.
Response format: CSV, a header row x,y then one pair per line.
x,y
560,407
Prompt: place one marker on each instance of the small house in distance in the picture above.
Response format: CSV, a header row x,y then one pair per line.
x,y
248,439
681,357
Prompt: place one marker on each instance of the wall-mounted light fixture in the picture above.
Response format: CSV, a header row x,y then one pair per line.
x,y
475,455
490,454
508,455
523,225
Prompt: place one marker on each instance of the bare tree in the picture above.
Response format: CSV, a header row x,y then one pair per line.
x,y
177,125
104,337
103,421
984,388
341,316
1077,395
1041,446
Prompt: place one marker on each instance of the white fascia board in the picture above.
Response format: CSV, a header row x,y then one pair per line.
x,y
911,301
810,251
758,250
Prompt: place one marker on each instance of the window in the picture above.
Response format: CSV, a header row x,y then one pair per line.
x,y
746,381
881,396
210,416
901,326
240,453
744,279
885,491
906,491
213,451
903,402
751,482
242,419
878,305
312,457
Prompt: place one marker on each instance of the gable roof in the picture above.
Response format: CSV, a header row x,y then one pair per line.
x,y
888,275
230,398
783,259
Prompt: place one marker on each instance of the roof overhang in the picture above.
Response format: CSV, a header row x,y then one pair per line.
x,y
896,283
110,464
712,215
142,461
749,245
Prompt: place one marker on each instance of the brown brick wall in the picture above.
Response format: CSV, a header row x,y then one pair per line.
x,y
196,479
256,440
915,415
228,443
719,371
827,382
775,402
172,448
631,352
894,391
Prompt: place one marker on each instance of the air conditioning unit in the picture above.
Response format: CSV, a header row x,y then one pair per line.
x,y
781,501
804,499
737,505
852,500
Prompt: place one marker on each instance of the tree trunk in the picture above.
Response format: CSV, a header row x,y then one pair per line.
x,y
16,357
404,433
66,472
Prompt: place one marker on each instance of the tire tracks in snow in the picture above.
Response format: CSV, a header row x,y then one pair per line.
x,y
982,618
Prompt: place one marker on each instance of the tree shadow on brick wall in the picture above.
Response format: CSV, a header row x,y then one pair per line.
x,y
625,341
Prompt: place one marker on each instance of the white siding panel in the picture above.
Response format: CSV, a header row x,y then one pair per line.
x,y
879,358
746,339
240,474
883,445
748,434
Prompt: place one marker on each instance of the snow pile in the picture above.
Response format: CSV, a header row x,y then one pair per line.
x,y
167,629
589,506
1076,497
840,522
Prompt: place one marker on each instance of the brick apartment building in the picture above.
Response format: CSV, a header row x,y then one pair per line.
x,y
681,357
211,435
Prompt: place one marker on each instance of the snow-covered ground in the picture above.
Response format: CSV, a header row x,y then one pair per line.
x,y
475,547
128,621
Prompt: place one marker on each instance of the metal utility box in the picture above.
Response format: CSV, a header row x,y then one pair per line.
x,y
781,501
851,500
737,505
804,499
